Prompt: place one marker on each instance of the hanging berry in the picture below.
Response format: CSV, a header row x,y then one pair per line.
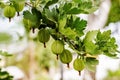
x,y
57,47
43,36
9,12
66,57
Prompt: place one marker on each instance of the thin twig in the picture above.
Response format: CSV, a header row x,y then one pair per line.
x,y
26,3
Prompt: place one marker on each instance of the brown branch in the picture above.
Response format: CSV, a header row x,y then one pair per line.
x,y
26,3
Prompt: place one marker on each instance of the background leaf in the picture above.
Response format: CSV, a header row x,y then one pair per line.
x,y
5,37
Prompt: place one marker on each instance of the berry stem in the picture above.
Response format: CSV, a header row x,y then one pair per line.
x,y
9,19
44,45
57,56
18,14
33,30
79,73
68,66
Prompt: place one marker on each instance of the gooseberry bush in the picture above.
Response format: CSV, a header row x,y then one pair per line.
x,y
58,19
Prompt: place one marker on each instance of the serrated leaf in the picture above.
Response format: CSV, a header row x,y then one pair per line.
x,y
71,34
104,36
77,24
106,43
110,48
91,48
67,6
80,26
85,5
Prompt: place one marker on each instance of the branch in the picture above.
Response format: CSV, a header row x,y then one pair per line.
x,y
26,3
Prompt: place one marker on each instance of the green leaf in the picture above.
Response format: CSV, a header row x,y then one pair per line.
x,y
28,15
85,5
110,48
52,14
62,23
5,37
67,31
67,6
2,5
37,13
48,22
50,3
110,55
80,26
91,63
77,25
17,0
90,36
77,1
91,48
69,22
74,11
91,10
104,36
113,74
4,53
4,75
71,34
34,17
106,43
114,14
